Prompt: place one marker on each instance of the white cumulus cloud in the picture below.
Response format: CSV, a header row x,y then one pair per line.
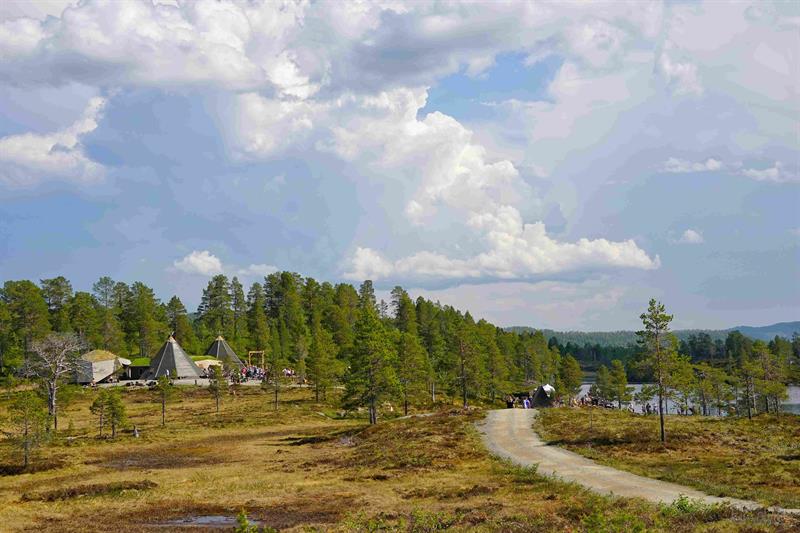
x,y
691,236
679,166
777,173
204,263
200,262
29,158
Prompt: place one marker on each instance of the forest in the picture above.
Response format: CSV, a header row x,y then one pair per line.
x,y
405,351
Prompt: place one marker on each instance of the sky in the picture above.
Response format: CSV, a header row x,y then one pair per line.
x,y
544,164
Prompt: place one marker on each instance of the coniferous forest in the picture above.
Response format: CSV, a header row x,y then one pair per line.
x,y
406,351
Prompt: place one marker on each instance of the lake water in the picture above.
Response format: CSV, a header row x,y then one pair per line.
x,y
790,405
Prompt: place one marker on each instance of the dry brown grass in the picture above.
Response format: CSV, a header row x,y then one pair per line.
x,y
753,459
298,470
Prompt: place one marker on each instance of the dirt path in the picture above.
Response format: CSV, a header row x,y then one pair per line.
x,y
509,433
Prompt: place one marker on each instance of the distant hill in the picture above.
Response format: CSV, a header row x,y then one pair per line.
x,y
624,338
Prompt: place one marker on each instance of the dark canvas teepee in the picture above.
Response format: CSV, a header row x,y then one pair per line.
x,y
223,351
172,360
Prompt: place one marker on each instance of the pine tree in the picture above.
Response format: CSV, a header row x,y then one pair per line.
x,y
181,326
602,385
494,362
217,384
165,392
238,313
618,383
103,290
28,312
215,310
471,369
660,351
276,362
371,375
83,316
98,408
115,411
257,318
412,368
571,376
29,422
322,365
57,294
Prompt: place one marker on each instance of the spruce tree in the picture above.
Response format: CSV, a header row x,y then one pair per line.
x,y
371,375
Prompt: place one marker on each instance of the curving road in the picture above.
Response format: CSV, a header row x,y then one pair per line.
x,y
509,433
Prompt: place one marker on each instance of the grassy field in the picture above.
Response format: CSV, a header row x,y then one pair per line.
x,y
755,459
302,469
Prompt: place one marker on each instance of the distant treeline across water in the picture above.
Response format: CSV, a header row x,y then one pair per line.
x,y
624,338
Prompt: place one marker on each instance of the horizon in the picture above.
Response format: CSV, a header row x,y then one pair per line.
x,y
550,165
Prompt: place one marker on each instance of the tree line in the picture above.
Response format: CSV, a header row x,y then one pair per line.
x,y
405,351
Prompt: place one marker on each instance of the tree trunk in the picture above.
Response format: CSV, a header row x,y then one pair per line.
x,y
163,411
661,417
113,428
26,446
373,412
216,400
433,391
276,395
52,405
405,405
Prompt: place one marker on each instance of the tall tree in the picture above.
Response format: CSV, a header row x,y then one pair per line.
x,y
494,361
238,313
659,352
145,319
412,368
257,318
371,376
6,337
53,359
29,422
276,362
618,383
322,365
115,410
571,376
103,290
602,389
471,368
181,325
215,310
57,294
28,312
83,316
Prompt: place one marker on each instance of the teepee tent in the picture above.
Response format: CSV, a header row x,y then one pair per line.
x,y
544,396
172,361
223,351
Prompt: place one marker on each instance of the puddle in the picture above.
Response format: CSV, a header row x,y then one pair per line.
x,y
205,521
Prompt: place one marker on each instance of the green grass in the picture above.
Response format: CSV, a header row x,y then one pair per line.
x,y
297,469
755,459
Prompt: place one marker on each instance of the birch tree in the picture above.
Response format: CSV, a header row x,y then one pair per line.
x,y
52,360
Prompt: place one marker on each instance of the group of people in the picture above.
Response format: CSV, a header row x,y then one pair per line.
x,y
525,402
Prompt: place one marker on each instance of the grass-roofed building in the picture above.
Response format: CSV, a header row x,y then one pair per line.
x,y
221,350
98,366
173,362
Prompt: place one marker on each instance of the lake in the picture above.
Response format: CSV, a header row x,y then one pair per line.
x,y
790,405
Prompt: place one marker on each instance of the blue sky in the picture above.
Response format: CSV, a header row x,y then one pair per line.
x,y
543,164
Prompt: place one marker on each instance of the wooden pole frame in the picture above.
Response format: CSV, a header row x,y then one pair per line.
x,y
255,352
